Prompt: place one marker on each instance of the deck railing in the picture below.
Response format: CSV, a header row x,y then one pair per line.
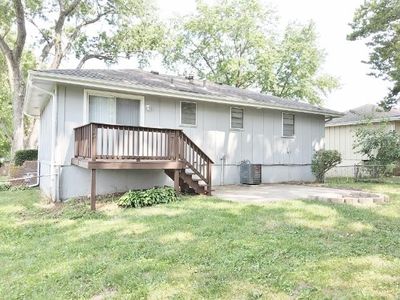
x,y
116,142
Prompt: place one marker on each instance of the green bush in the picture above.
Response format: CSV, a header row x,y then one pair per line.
x,y
323,161
147,197
4,186
23,155
380,144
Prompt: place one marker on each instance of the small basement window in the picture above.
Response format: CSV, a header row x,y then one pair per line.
x,y
288,121
188,113
237,118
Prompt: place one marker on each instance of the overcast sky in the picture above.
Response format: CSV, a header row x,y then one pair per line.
x,y
343,58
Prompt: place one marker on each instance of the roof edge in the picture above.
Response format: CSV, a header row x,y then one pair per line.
x,y
363,122
98,83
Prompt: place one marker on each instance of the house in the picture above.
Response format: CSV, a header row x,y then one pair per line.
x,y
339,134
128,129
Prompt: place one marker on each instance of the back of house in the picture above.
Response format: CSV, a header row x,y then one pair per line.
x,y
139,129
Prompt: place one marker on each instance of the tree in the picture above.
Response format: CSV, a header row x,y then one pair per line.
x,y
5,111
235,42
378,143
6,129
378,22
295,67
86,29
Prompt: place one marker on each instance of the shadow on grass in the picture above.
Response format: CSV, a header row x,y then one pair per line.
x,y
198,247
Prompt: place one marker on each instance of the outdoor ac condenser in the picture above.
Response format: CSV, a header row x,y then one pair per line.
x,y
250,173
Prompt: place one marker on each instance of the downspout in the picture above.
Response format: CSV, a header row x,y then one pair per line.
x,y
222,178
54,170
37,183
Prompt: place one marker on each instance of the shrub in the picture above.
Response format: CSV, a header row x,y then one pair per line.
x,y
323,161
5,186
23,155
147,197
379,144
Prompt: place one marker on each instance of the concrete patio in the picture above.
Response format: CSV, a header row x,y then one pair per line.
x,y
278,192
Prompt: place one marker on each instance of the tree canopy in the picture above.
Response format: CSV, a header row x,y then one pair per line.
x,y
236,42
61,30
378,23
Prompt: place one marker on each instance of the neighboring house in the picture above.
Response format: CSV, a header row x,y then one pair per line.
x,y
339,134
151,128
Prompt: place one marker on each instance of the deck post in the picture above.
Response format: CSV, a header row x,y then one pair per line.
x,y
176,181
93,190
177,157
93,146
209,177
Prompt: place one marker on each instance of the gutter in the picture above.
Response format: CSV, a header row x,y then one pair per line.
x,y
363,122
162,92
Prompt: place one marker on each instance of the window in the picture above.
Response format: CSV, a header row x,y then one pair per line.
x,y
112,110
287,125
188,113
237,118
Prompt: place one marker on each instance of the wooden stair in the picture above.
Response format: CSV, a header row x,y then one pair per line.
x,y
190,182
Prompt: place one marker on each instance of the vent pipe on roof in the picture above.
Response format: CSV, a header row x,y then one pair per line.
x,y
204,83
190,77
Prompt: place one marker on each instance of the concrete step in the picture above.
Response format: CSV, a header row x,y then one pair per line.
x,y
189,171
196,177
201,183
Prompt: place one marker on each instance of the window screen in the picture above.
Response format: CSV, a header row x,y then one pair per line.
x,y
287,124
111,110
237,118
188,113
128,112
102,109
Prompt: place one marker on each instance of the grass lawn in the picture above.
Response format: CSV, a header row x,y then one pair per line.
x,y
200,248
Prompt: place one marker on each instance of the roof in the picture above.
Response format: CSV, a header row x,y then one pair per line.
x,y
362,114
173,86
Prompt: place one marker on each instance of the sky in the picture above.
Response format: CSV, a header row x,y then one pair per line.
x,y
343,58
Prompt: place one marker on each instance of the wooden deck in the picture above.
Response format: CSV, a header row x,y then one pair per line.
x,y
112,147
126,164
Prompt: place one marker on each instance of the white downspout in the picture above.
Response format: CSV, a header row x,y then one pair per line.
x,y
37,183
54,125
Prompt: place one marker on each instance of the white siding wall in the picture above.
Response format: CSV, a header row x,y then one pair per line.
x,y
261,141
44,149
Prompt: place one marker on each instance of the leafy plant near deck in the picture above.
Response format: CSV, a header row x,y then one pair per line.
x,y
147,197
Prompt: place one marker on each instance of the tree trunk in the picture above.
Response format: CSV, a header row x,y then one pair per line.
x,y
18,95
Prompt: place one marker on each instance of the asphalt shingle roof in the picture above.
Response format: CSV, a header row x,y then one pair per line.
x,y
368,112
181,84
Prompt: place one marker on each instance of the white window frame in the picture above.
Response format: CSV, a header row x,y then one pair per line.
x,y
180,114
294,125
230,118
88,93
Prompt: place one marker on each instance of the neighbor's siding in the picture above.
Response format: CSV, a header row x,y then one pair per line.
x,y
261,141
341,138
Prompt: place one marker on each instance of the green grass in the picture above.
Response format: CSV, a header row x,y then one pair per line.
x,y
200,248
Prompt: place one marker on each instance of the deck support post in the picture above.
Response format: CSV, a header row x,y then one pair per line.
x,y
176,181
93,190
